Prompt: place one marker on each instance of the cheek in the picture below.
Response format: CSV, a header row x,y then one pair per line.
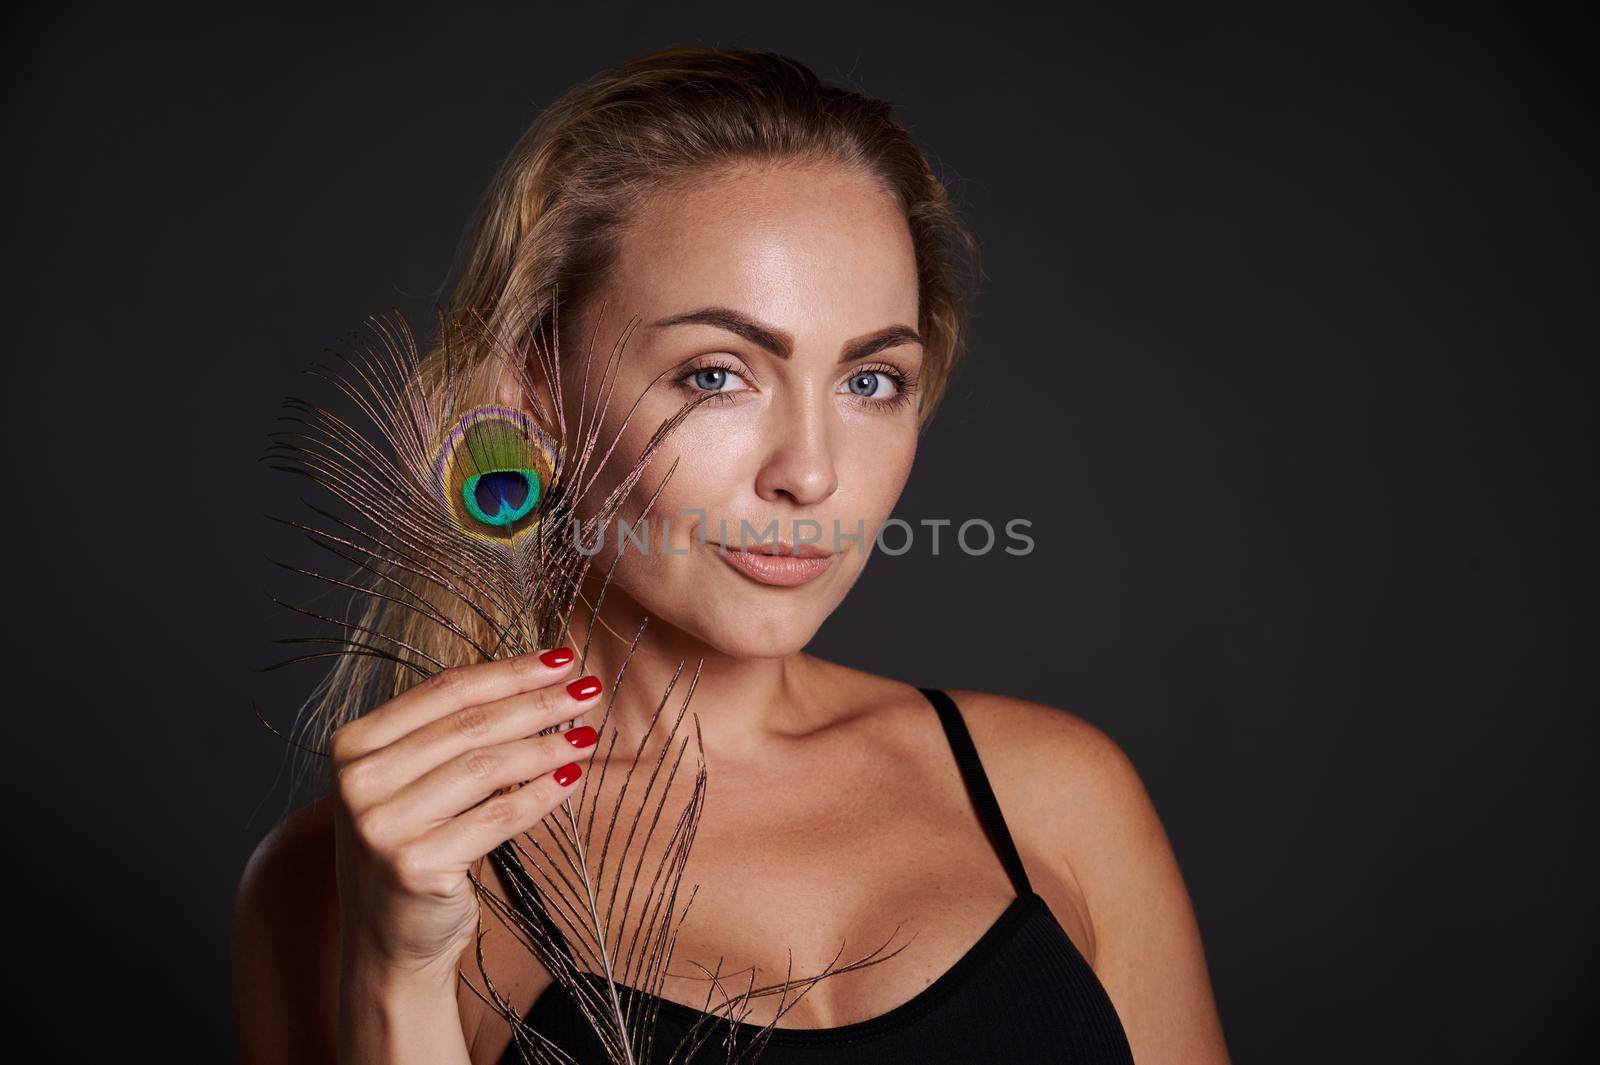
x,y
693,478
878,465
705,465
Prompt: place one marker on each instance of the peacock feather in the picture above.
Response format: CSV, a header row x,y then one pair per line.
x,y
457,534
491,471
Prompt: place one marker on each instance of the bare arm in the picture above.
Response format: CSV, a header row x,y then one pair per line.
x,y
286,957
290,987
1083,811
285,944
1149,955
353,917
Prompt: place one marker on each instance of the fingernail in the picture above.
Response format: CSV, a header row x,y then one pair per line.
x,y
568,773
582,736
584,687
558,657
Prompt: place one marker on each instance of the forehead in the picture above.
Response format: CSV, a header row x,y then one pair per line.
x,y
820,251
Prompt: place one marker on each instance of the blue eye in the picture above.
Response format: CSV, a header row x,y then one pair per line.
x,y
712,378
867,383
716,379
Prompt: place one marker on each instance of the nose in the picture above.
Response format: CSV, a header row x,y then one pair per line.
x,y
799,459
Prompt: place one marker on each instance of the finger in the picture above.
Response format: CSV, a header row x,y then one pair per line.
x,y
470,778
376,776
467,837
447,691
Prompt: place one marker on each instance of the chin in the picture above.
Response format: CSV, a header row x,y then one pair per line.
x,y
731,615
739,628
777,641
740,625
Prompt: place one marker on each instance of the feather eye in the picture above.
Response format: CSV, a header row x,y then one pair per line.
x,y
493,470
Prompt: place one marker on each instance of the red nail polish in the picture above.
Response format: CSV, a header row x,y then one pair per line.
x,y
568,773
558,657
584,687
582,736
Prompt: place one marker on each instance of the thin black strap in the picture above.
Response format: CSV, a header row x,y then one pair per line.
x,y
955,729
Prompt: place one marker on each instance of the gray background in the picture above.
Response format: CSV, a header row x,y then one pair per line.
x,y
1278,352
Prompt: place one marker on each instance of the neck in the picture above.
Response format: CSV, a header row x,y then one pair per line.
x,y
742,704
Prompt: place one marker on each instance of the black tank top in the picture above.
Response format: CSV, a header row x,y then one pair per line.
x,y
1022,993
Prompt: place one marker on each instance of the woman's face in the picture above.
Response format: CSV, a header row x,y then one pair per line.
x,y
791,294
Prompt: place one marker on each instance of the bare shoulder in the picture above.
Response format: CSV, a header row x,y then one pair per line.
x,y
300,845
1081,814
290,877
1073,801
285,944
1062,781
1075,753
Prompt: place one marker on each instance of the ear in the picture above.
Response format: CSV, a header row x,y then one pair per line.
x,y
517,382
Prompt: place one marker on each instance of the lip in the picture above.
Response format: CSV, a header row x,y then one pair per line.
x,y
784,547
783,565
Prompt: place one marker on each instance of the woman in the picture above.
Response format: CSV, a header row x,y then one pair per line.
x,y
791,256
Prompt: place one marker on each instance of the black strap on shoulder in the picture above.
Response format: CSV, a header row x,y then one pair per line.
x,y
955,729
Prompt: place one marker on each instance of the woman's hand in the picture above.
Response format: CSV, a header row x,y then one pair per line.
x,y
420,797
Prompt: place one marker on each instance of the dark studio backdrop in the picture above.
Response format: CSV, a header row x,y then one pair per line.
x,y
1278,352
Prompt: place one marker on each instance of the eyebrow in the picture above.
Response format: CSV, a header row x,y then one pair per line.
x,y
780,343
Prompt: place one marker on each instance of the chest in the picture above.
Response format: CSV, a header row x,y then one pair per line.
x,y
799,871
891,894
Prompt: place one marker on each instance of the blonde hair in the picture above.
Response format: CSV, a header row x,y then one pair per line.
x,y
546,232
